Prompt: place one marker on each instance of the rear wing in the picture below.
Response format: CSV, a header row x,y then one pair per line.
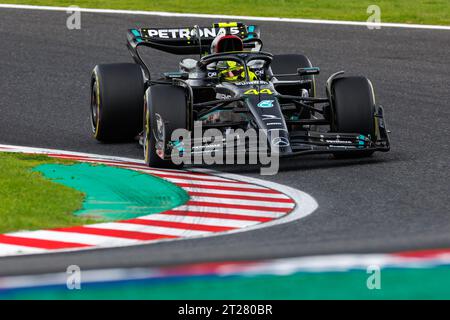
x,y
185,41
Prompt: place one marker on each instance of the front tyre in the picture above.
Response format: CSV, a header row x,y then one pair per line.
x,y
117,99
353,110
165,110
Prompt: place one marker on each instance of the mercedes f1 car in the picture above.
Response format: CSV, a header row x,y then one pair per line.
x,y
232,85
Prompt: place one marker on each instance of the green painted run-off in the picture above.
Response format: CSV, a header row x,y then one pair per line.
x,y
115,193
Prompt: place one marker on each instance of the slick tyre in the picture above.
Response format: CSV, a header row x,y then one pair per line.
x,y
164,105
353,110
117,100
289,63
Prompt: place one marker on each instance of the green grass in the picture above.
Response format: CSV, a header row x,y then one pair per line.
x,y
402,11
28,201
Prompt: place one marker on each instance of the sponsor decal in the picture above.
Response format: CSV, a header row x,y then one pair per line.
x,y
280,142
247,83
186,33
341,147
339,141
270,117
222,96
208,146
257,92
266,104
259,72
227,24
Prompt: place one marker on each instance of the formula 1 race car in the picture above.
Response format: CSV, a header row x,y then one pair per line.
x,y
232,86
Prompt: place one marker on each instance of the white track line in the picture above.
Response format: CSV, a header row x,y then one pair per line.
x,y
233,223
7,249
237,193
22,149
216,183
184,175
228,17
220,201
245,212
72,237
173,174
147,229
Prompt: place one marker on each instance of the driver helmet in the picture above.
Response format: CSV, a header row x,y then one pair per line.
x,y
226,43
230,70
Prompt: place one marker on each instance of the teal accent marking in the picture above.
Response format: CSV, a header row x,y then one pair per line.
x,y
266,104
115,193
177,144
250,29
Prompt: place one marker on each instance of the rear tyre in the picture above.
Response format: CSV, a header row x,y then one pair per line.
x,y
353,110
289,63
117,99
168,105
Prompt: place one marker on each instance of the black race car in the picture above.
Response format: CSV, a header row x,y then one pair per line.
x,y
232,86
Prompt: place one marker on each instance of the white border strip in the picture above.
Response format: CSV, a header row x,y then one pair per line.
x,y
304,203
22,149
231,17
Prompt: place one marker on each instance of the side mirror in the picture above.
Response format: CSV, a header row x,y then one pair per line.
x,y
308,71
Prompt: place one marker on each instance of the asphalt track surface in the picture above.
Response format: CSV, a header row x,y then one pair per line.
x,y
393,201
